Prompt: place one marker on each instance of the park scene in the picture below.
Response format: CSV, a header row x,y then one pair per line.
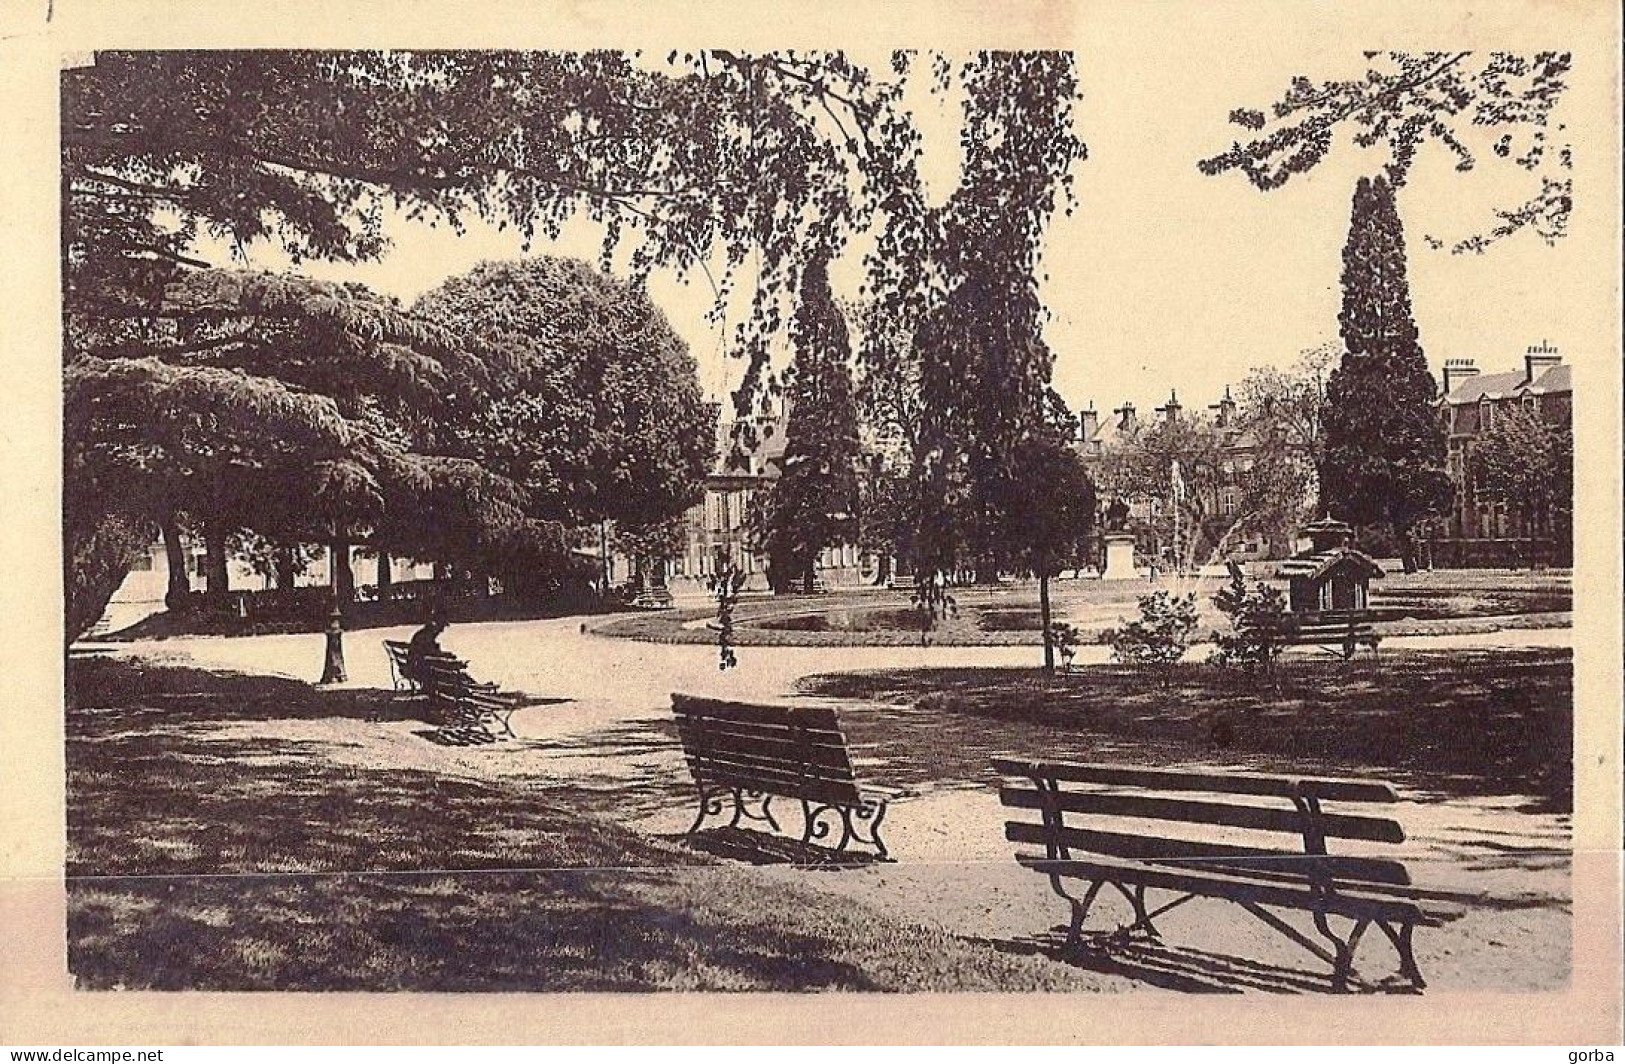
x,y
812,521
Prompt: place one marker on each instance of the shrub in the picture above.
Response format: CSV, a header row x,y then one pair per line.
x,y
726,586
1255,614
1158,639
1064,638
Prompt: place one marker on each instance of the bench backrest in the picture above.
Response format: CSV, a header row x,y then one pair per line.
x,y
443,675
1280,830
796,751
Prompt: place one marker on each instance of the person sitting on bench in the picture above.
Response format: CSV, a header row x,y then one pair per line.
x,y
425,643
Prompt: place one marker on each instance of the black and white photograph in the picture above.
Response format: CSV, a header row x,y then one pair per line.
x,y
844,513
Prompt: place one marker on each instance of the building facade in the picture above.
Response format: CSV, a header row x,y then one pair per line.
x,y
1219,480
1482,530
716,531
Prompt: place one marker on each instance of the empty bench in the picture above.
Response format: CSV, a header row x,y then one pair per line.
x,y
1136,830
1341,634
743,754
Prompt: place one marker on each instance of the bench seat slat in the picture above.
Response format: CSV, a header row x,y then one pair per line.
x,y
1186,811
1234,888
724,759
1324,788
784,784
817,717
1182,852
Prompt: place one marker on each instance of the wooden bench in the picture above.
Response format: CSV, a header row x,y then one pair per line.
x,y
398,652
741,754
460,705
1340,634
464,704
400,669
1131,829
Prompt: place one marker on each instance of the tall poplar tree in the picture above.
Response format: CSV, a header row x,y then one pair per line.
x,y
1384,457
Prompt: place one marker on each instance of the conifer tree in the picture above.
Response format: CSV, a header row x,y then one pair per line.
x,y
814,502
1384,457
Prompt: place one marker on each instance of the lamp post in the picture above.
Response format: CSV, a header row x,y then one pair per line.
x,y
333,663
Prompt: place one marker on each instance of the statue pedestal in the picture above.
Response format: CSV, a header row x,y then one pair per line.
x,y
1119,557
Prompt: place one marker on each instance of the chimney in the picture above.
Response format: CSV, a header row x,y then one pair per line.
x,y
1457,370
1088,423
1224,410
1170,412
1540,358
1126,416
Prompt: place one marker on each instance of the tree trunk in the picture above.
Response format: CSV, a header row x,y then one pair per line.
x,y
216,571
809,575
883,569
342,576
386,575
1043,619
178,594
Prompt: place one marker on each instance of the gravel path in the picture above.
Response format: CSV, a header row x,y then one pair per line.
x,y
602,734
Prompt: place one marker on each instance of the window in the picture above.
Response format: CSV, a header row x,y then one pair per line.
x,y
1486,415
1531,405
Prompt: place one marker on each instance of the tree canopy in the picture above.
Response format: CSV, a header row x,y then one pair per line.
x,y
585,396
768,162
1473,105
1527,461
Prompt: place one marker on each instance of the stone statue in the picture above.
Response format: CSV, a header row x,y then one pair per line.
x,y
1117,516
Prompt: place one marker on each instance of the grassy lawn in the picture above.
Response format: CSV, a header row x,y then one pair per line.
x,y
204,856
1427,603
1462,722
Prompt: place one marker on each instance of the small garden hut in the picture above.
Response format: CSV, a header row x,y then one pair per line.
x,y
1330,575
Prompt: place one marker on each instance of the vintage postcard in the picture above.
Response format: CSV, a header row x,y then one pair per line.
x,y
907,522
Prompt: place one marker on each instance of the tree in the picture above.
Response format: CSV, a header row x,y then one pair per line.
x,y
1050,513
650,546
1186,508
585,396
242,400
813,504
985,368
764,160
758,159
1527,462
1384,451
1472,104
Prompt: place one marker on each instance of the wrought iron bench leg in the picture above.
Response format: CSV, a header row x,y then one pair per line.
x,y
1343,965
740,797
1080,909
816,828
710,805
1407,958
873,811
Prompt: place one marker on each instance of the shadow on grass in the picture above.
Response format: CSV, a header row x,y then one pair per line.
x,y
1180,968
202,857
760,848
1459,722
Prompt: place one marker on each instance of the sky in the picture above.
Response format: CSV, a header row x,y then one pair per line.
x,y
1163,279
